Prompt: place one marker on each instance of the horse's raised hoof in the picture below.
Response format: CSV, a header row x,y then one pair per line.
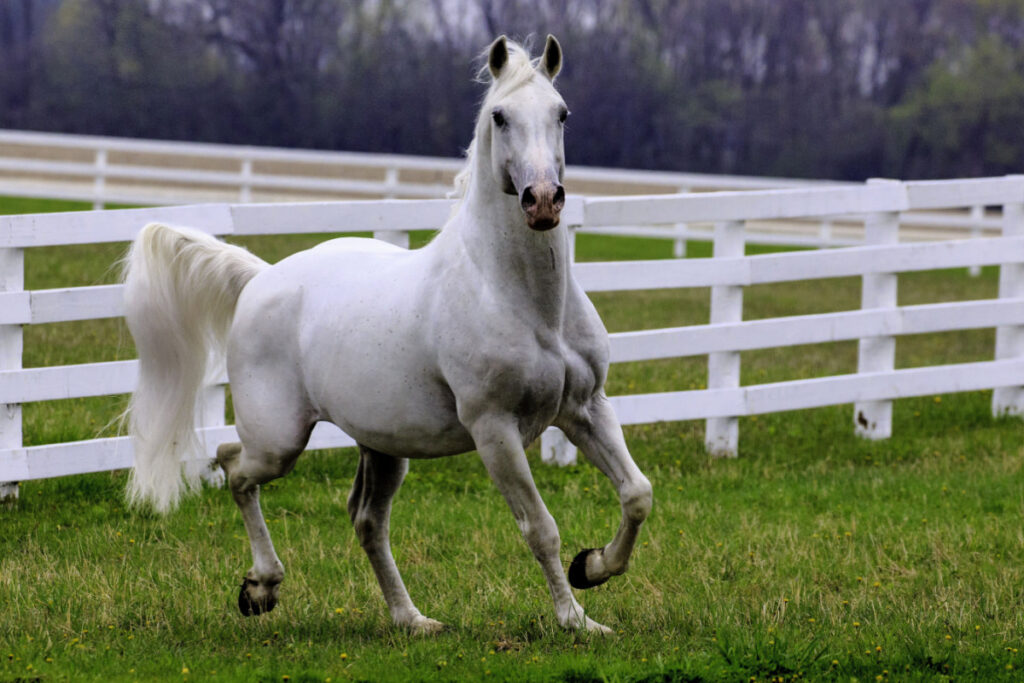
x,y
250,606
578,571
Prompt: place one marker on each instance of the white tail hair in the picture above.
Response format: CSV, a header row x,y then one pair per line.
x,y
180,291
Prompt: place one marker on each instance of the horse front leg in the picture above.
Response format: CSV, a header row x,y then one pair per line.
x,y
501,451
596,431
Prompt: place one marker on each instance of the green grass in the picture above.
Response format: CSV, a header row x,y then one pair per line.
x,y
814,555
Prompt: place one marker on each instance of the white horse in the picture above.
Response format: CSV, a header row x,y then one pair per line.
x,y
480,340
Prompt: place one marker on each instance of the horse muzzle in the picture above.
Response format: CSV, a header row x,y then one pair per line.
x,y
542,203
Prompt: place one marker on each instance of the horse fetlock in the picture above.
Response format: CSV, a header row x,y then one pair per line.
x,y
614,565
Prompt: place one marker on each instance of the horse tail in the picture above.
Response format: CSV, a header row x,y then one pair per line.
x,y
180,291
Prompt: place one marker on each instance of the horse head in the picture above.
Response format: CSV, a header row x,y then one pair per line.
x,y
526,121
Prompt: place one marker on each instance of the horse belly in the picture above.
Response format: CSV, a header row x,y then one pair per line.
x,y
397,414
378,384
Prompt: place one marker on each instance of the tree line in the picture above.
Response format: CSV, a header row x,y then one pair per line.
x,y
843,89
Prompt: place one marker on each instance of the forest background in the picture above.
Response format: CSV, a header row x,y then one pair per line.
x,y
842,89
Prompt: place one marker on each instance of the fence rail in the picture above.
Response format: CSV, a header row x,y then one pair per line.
x,y
120,170
110,170
872,389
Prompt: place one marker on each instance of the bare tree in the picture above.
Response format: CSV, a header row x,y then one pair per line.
x,y
844,88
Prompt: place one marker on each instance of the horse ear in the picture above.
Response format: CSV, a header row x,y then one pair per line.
x,y
551,62
498,56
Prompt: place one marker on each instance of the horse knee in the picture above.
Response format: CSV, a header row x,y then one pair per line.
x,y
367,527
637,499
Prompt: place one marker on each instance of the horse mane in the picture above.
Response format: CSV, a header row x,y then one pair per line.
x,y
517,72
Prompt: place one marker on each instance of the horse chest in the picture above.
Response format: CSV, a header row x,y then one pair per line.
x,y
542,383
531,379
534,394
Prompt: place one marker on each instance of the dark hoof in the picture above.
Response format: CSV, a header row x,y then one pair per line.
x,y
249,607
578,571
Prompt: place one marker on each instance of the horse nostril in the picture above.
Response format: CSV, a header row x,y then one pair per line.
x,y
559,199
528,200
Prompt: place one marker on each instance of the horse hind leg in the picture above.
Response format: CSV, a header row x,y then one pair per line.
x,y
377,480
245,470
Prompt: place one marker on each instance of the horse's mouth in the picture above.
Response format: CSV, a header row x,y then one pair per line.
x,y
542,201
543,224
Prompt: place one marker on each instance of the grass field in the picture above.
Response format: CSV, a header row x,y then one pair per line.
x,y
814,555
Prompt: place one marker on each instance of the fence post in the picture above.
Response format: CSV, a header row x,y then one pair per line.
x,y
722,434
1010,338
399,238
555,447
825,233
679,244
12,279
977,216
245,188
873,419
391,182
99,183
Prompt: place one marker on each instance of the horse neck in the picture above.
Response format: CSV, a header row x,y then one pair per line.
x,y
528,265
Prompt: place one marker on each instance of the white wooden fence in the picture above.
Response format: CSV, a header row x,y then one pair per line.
x,y
876,324
110,170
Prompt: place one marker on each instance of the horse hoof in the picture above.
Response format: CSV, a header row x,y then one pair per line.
x,y
578,571
425,626
249,606
591,626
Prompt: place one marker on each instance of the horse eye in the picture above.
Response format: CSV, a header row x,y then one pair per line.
x,y
563,115
499,118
